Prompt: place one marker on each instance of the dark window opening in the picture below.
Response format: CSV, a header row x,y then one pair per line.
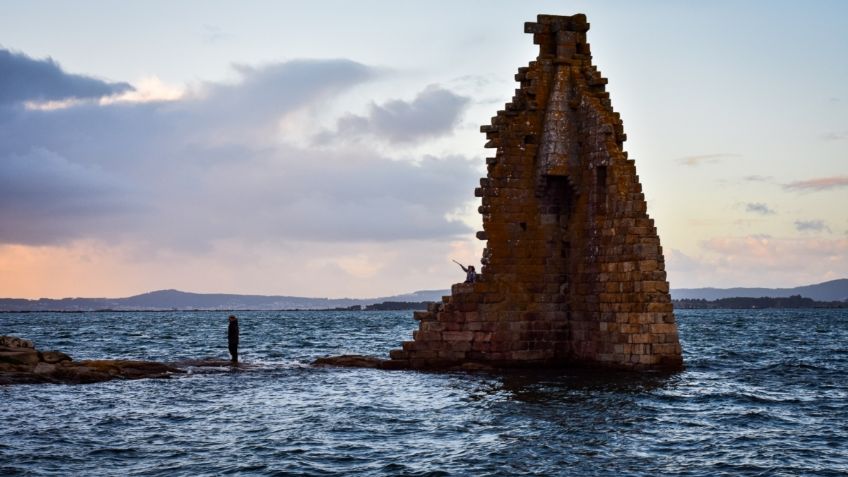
x,y
523,225
530,139
601,176
552,46
560,195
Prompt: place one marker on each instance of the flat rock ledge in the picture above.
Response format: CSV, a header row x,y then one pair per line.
x,y
21,363
360,361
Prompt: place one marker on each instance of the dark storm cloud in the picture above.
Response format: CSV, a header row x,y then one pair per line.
x,y
27,79
210,167
45,199
434,112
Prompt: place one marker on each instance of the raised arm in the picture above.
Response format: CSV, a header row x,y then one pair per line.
x,y
464,269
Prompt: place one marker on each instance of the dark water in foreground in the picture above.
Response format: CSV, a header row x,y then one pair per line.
x,y
764,393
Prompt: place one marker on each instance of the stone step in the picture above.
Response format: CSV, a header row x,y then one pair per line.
x,y
422,315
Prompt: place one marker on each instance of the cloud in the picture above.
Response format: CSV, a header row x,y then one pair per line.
x,y
760,252
25,79
335,269
759,260
146,90
44,198
213,165
704,159
434,112
758,208
811,226
757,178
212,33
271,88
819,184
835,136
339,196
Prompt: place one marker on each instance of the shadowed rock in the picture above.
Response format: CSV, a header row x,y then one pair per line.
x,y
32,367
94,371
53,357
211,365
21,363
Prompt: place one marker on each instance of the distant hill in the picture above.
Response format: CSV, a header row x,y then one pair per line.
x,y
179,300
834,290
419,296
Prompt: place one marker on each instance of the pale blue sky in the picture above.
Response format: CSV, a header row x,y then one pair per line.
x,y
736,114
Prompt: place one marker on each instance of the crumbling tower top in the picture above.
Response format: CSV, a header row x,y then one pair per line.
x,y
559,37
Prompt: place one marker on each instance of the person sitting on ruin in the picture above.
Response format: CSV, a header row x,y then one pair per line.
x,y
470,273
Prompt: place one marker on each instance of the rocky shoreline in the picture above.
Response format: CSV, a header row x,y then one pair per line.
x,y
22,363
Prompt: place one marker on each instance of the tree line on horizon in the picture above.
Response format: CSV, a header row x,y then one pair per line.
x,y
794,301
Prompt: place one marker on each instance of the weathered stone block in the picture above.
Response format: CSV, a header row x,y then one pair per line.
x,y
452,355
457,335
422,315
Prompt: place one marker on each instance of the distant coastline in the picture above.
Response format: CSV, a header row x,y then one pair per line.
x,y
747,303
733,303
831,294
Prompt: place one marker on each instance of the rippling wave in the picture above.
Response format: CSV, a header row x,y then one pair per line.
x,y
764,393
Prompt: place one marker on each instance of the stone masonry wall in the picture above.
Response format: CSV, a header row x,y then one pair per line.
x,y
573,272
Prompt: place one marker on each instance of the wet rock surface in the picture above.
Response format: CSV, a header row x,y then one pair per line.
x,y
351,361
360,361
21,363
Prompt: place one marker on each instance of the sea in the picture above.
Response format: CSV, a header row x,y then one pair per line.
x,y
764,393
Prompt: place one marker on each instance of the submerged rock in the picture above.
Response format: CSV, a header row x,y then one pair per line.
x,y
212,365
360,361
351,361
207,363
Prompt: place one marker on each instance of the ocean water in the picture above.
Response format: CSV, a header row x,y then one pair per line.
x,y
764,393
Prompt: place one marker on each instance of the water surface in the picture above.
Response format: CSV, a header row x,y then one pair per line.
x,y
763,393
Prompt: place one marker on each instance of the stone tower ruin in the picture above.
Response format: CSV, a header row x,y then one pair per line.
x,y
573,273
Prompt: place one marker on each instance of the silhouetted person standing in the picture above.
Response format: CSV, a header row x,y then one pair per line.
x,y
233,338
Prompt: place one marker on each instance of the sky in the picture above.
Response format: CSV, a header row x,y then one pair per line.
x,y
332,148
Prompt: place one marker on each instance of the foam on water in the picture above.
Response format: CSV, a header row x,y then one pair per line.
x,y
764,393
